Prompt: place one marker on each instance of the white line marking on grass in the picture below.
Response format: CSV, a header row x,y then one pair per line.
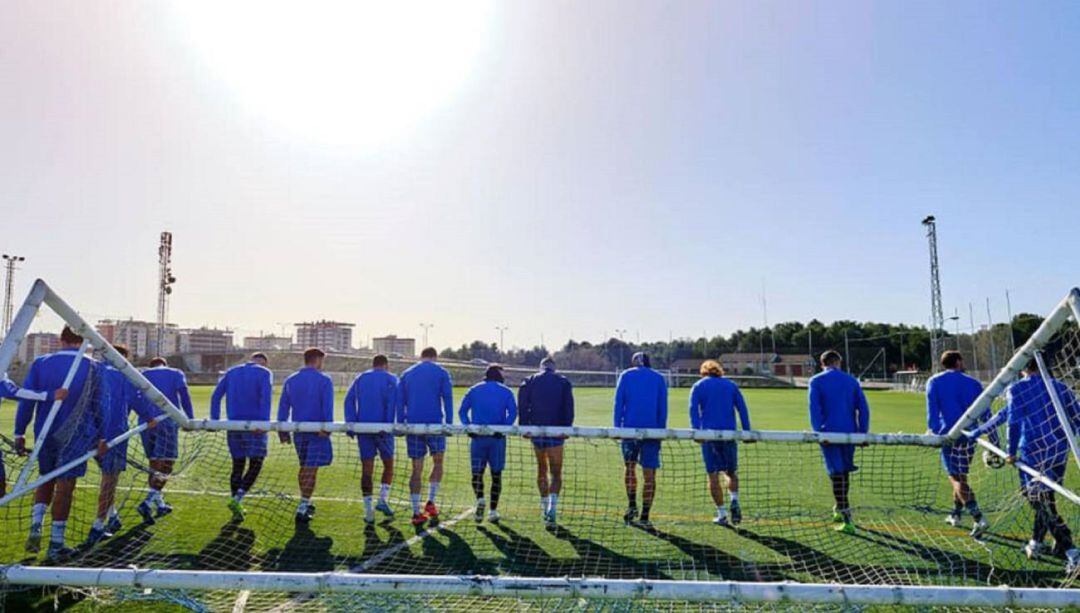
x,y
375,561
241,601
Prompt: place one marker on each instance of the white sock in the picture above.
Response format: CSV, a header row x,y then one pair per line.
x,y
99,524
544,504
239,495
368,506
554,501
415,503
152,496
303,506
480,502
433,490
721,511
113,512
734,496
384,492
37,514
57,534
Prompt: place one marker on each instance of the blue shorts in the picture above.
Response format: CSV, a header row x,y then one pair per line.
x,y
644,452
488,451
114,461
956,459
547,442
720,456
419,445
381,444
313,450
162,442
246,444
53,456
839,459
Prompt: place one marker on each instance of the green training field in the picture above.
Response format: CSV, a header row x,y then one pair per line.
x,y
900,498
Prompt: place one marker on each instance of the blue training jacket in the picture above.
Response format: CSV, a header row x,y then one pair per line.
x,y
48,372
546,399
425,395
124,398
1036,435
247,389
713,402
11,391
641,399
948,396
372,398
172,383
488,403
837,403
307,395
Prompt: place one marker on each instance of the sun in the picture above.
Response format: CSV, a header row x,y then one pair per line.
x,y
352,73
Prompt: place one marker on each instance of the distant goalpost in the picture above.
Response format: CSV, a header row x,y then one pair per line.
x,y
783,554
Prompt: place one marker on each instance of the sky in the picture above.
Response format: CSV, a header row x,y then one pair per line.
x,y
565,169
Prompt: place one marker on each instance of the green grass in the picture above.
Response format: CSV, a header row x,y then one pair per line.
x,y
900,497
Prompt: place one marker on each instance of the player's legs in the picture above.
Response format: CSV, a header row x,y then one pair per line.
x,y
254,468
555,464
306,477
542,484
236,476
715,489
367,477
648,491
386,455
61,509
630,483
107,495
841,484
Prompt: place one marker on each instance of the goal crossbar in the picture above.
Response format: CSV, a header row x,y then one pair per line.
x,y
539,587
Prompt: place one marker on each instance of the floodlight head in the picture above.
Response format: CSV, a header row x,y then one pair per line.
x,y
929,220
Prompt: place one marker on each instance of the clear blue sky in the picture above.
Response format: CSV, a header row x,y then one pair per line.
x,y
565,168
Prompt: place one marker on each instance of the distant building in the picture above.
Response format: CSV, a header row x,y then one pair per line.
x,y
140,337
686,366
205,340
775,364
393,345
38,343
330,336
268,342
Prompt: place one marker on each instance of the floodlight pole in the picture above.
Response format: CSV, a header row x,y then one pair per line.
x,y
937,316
10,264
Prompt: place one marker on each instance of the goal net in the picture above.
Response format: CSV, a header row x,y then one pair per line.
x,y
784,553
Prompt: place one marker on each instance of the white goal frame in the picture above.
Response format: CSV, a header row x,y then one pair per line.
x,y
524,587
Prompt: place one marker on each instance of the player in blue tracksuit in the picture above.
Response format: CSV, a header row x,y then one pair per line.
x,y
123,398
640,402
247,389
372,398
11,391
76,428
837,404
714,401
1037,438
489,403
948,396
308,395
547,399
162,443
425,396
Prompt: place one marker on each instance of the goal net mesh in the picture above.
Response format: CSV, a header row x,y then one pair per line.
x,y
899,495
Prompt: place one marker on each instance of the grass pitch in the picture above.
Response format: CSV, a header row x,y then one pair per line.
x,y
900,497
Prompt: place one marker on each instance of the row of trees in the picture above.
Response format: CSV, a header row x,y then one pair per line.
x,y
876,348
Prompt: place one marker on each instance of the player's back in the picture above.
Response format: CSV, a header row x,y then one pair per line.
x,y
951,393
640,399
489,403
546,399
837,396
424,385
1042,437
714,404
306,391
247,389
376,389
172,384
123,397
49,372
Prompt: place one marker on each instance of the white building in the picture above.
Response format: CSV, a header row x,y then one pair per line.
x,y
38,343
205,340
267,342
140,337
395,346
330,336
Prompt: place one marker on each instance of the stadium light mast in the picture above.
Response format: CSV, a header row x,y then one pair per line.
x,y
165,283
502,337
937,316
10,265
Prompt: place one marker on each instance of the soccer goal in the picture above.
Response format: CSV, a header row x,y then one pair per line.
x,y
784,554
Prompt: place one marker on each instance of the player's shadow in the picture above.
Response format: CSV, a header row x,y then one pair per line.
x,y
951,563
715,561
231,549
122,549
455,556
821,566
375,554
525,556
303,552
